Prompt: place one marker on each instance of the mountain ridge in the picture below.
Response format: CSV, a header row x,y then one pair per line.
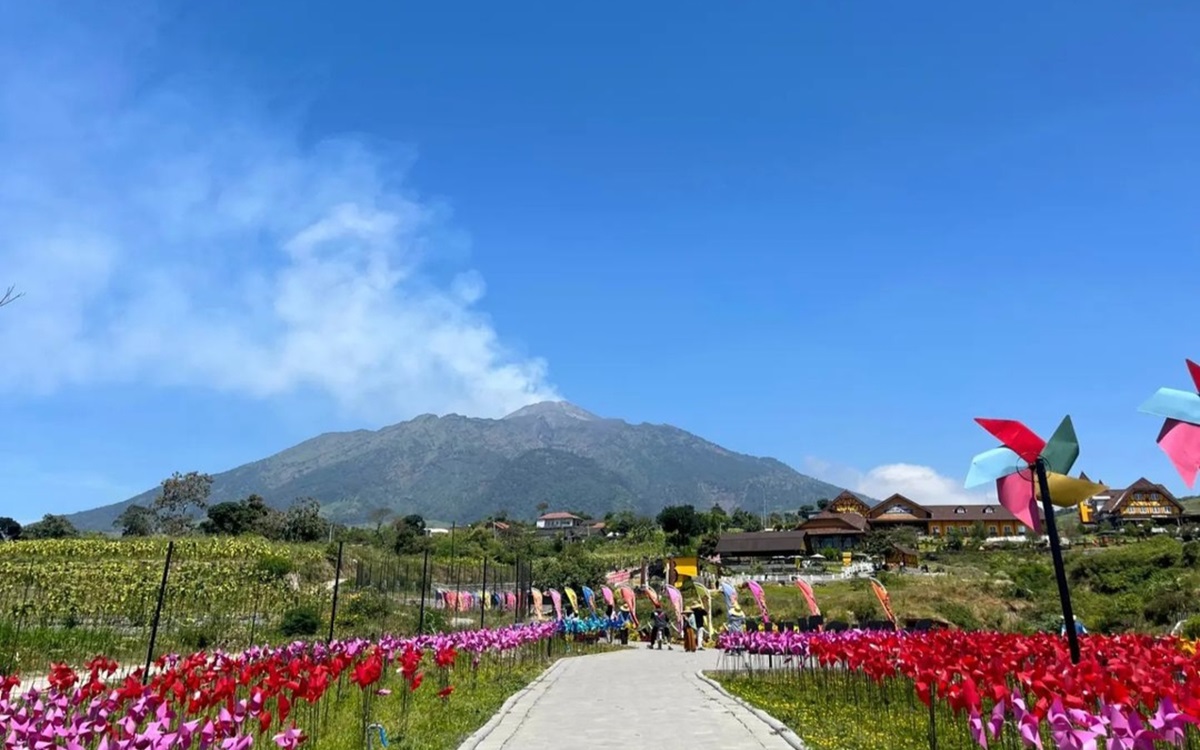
x,y
464,468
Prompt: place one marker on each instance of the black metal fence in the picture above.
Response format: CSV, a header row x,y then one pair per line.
x,y
180,597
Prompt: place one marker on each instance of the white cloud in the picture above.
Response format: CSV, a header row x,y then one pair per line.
x,y
922,484
172,236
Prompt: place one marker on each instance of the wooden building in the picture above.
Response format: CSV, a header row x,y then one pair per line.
x,y
850,514
1141,502
757,546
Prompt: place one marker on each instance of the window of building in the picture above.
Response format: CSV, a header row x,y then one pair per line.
x,y
935,529
992,529
989,509
1007,530
960,510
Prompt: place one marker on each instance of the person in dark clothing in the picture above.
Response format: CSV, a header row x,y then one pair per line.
x,y
659,629
701,615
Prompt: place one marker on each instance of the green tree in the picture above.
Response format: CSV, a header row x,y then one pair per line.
x,y
410,534
745,520
136,520
10,530
718,519
303,522
50,527
978,534
807,511
179,496
881,542
681,523
823,503
954,539
249,516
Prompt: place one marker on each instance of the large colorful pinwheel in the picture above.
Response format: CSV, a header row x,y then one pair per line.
x,y
1180,435
1009,468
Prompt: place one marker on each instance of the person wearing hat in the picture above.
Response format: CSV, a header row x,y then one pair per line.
x,y
1079,628
735,621
624,620
689,631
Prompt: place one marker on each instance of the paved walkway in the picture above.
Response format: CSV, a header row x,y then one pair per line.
x,y
633,698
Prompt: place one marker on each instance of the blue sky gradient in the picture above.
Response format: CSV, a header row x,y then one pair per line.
x,y
831,234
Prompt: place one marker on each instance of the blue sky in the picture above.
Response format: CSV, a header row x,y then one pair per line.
x,y
829,233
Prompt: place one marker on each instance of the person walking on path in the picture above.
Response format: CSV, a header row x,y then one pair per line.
x,y
689,632
701,615
659,629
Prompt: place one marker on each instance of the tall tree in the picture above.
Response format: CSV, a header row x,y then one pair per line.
x,y
179,496
50,527
10,530
681,523
410,534
136,520
303,521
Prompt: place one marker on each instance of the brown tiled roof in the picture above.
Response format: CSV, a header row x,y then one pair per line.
x,y
877,513
852,520
991,512
558,515
834,532
761,543
1117,497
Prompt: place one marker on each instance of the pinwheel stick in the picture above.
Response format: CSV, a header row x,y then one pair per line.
x,y
1060,572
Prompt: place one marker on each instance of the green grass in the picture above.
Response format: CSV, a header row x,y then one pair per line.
x,y
834,717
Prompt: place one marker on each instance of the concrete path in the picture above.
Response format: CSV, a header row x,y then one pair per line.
x,y
633,698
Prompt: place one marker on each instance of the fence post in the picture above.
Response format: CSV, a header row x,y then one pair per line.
x,y
424,574
517,590
483,594
162,591
337,580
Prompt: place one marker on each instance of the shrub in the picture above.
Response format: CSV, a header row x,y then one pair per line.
x,y
1191,554
303,620
959,614
1165,607
272,567
1191,628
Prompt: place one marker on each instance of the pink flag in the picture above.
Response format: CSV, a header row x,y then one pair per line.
x,y
759,598
630,602
556,600
652,595
676,604
607,593
809,598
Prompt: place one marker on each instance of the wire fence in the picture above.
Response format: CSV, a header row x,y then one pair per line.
x,y
139,603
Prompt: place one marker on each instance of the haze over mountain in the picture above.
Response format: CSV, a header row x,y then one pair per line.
x,y
461,469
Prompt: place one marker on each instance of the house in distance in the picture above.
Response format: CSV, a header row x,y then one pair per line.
x,y
567,525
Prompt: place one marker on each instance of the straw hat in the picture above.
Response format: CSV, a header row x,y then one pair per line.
x,y
624,607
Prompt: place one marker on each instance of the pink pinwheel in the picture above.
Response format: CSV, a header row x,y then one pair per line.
x,y
1128,731
1180,434
1169,723
1027,723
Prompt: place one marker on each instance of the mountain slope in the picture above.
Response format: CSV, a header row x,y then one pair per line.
x,y
461,469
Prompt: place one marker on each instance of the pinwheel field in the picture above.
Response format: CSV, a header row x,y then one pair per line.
x,y
862,690
419,692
